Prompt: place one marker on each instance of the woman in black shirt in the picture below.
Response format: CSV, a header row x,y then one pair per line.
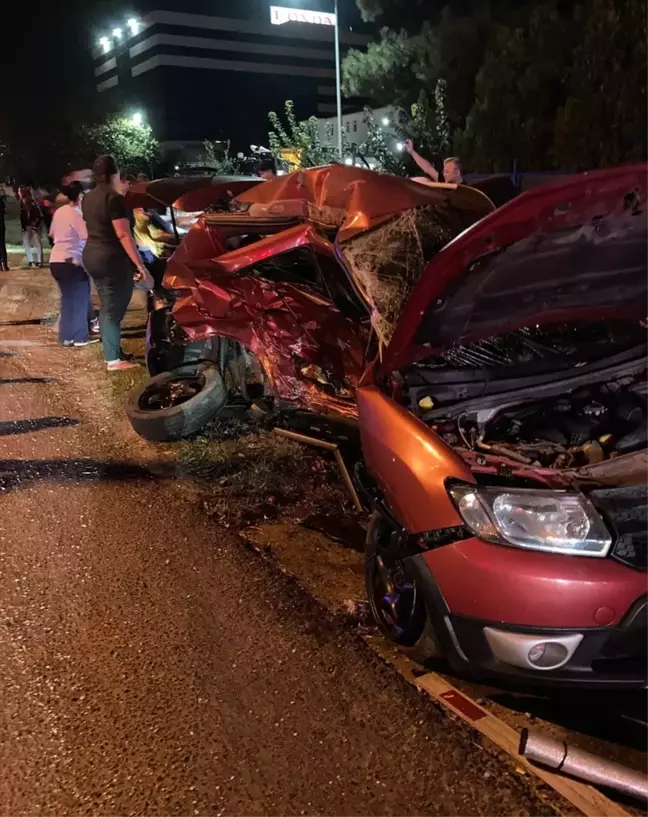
x,y
110,257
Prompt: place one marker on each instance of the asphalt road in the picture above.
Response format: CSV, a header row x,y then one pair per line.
x,y
150,665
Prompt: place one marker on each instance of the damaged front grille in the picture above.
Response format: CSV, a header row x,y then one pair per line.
x,y
625,510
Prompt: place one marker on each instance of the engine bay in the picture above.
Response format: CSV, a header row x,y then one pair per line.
x,y
499,396
589,425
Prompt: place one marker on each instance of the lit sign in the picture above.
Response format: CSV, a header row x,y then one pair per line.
x,y
281,14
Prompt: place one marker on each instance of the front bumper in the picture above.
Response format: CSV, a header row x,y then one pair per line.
x,y
596,657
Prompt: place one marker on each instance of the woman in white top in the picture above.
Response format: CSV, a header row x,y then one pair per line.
x,y
68,231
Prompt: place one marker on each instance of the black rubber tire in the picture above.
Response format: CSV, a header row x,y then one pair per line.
x,y
425,646
185,419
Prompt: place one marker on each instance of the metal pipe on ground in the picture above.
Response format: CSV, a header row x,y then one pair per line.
x,y
560,757
305,440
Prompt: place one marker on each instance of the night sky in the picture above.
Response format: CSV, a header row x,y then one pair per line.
x,y
48,84
47,53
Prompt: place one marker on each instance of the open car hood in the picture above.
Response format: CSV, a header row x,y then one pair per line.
x,y
190,194
571,250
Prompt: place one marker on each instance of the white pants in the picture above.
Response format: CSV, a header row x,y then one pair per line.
x,y
32,236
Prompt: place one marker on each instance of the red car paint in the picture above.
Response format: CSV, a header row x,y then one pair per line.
x,y
288,326
506,584
410,463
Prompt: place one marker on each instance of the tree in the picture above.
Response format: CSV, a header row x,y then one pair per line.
x,y
302,139
400,66
519,89
221,161
442,124
381,142
404,13
133,146
384,72
603,118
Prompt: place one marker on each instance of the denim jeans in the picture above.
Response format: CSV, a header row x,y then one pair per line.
x,y
32,235
112,272
76,305
115,294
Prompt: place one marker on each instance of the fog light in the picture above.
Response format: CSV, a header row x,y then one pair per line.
x,y
531,652
548,655
536,653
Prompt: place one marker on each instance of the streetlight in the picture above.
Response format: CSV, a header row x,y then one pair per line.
x,y
117,33
338,79
134,25
105,43
385,121
283,14
137,118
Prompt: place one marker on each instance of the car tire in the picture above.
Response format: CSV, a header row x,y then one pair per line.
x,y
417,641
178,403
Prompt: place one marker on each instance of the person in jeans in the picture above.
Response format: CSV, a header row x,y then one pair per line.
x,y
68,233
31,221
110,256
4,262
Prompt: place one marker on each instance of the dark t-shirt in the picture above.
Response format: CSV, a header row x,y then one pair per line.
x,y
100,207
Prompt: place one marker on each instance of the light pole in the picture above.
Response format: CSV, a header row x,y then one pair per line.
x,y
338,80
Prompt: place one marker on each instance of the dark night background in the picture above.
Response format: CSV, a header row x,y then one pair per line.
x,y
549,84
48,84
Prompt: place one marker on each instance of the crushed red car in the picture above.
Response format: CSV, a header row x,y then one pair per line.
x,y
481,375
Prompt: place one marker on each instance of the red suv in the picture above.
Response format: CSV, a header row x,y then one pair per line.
x,y
481,375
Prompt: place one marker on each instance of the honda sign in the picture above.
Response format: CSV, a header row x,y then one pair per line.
x,y
281,14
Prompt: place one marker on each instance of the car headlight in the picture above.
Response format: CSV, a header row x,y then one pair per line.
x,y
537,520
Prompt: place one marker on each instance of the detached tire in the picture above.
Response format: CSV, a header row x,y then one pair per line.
x,y
176,404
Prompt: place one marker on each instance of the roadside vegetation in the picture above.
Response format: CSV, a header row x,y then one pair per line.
x,y
245,474
250,475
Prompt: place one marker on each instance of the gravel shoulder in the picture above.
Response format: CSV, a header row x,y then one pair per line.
x,y
151,664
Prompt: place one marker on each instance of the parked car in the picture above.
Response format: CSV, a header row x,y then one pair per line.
x,y
185,197
480,374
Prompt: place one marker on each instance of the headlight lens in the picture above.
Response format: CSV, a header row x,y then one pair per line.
x,y
537,520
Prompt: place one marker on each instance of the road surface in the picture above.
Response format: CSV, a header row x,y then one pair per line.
x,y
150,665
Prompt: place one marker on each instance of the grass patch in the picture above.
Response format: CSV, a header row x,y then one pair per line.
x,y
244,473
122,383
250,474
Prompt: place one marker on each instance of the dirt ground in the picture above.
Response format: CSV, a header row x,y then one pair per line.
x,y
151,664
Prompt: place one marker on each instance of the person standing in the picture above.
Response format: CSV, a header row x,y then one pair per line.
x,y
68,233
110,256
31,221
4,262
46,202
452,170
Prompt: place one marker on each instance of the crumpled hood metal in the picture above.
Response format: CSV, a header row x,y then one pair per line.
x,y
356,200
